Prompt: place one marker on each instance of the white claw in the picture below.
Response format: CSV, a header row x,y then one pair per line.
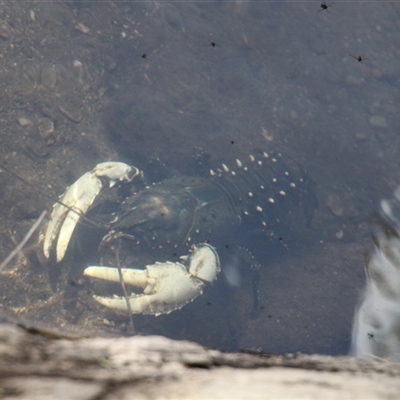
x,y
169,287
204,262
134,277
78,198
166,286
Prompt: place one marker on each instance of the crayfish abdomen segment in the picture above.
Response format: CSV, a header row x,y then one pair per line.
x,y
265,189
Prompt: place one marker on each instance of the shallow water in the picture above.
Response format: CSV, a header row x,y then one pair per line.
x,y
142,83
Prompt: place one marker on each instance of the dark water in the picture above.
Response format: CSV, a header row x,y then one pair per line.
x,y
157,80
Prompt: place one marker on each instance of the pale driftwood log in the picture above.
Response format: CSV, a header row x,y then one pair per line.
x,y
34,367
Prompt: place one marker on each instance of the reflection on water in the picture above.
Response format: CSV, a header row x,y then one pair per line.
x,y
376,328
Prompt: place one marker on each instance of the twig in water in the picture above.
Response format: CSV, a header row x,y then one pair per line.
x,y
23,242
121,279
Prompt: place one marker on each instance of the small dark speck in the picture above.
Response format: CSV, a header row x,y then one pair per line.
x,y
324,6
358,58
174,254
79,282
232,142
227,246
209,303
144,55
